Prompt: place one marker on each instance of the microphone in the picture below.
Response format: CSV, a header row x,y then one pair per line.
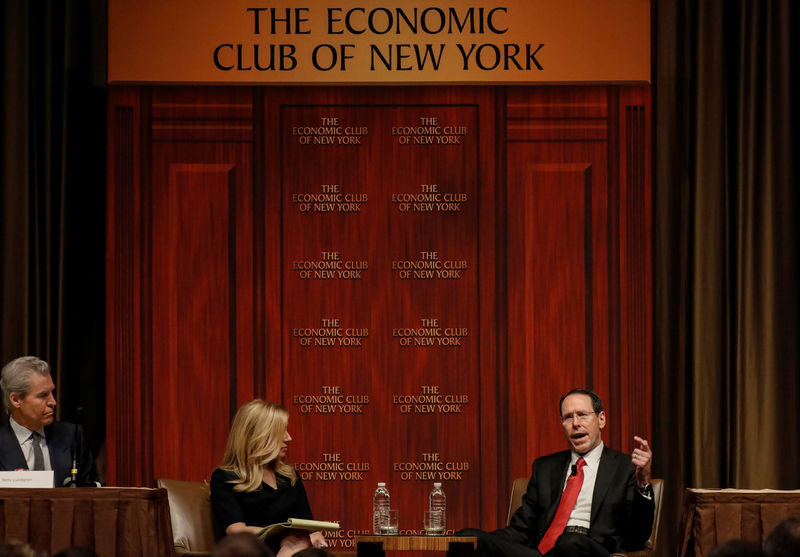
x,y
574,470
72,480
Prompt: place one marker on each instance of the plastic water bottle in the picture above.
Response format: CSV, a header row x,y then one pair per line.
x,y
438,502
380,507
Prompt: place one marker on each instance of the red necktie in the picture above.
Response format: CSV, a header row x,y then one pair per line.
x,y
565,506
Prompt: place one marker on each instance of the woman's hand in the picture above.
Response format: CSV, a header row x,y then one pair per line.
x,y
242,527
293,541
318,540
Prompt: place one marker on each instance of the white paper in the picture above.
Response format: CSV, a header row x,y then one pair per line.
x,y
27,478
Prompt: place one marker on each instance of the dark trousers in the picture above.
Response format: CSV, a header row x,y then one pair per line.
x,y
492,544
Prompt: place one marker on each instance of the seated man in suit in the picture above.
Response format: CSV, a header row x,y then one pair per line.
x,y
586,501
32,440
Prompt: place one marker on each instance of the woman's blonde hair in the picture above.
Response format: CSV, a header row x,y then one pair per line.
x,y
255,442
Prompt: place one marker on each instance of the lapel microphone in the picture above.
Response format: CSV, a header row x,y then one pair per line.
x,y
574,470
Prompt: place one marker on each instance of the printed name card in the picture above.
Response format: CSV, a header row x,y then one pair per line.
x,y
27,478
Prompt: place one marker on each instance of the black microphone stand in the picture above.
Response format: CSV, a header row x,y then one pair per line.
x,y
72,480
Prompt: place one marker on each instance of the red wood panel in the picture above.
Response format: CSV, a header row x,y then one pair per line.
x,y
578,272
181,264
204,295
202,288
193,311
384,437
552,266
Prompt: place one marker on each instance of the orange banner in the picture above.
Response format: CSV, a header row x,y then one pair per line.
x,y
395,42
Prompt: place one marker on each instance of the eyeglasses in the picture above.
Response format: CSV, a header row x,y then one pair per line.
x,y
582,417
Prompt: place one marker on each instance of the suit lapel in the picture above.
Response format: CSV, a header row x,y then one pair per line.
x,y
60,453
605,474
11,457
557,474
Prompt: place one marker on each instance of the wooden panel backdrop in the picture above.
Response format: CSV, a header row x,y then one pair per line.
x,y
416,273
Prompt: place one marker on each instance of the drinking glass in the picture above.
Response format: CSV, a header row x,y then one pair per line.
x,y
433,523
390,521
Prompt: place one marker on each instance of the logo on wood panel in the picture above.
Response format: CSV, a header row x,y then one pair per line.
x,y
331,400
330,131
330,199
429,267
345,539
429,200
332,467
430,401
429,334
330,334
330,266
429,132
431,467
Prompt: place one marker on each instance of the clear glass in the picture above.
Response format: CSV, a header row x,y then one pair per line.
x,y
433,523
390,522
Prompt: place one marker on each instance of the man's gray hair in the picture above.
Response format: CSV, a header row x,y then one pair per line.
x,y
16,377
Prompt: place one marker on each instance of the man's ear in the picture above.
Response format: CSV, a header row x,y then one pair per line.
x,y
15,399
601,417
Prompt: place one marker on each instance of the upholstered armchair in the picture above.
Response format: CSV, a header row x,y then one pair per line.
x,y
194,529
521,484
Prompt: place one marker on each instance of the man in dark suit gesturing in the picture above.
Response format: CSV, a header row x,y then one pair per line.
x,y
32,440
586,501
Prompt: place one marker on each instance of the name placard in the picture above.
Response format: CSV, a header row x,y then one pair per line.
x,y
27,478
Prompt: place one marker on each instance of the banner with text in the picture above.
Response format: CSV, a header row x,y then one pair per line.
x,y
322,41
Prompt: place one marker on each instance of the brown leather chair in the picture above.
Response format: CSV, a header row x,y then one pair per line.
x,y
194,529
521,484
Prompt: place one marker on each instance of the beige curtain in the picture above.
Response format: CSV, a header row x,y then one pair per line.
x,y
727,254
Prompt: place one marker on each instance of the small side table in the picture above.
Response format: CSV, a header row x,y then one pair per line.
x,y
376,546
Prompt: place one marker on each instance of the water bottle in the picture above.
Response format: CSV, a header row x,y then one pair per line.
x,y
380,507
438,502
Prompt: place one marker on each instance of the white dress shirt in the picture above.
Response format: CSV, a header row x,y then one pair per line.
x,y
582,511
26,443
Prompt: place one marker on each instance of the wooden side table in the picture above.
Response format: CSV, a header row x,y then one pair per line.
x,y
376,546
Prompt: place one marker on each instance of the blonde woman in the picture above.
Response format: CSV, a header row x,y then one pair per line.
x,y
254,487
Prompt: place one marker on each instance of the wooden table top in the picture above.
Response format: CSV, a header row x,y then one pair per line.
x,y
417,543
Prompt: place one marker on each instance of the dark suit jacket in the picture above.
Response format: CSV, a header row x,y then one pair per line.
x,y
60,437
621,518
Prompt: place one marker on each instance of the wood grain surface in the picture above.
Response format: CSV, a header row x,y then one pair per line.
x,y
271,242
